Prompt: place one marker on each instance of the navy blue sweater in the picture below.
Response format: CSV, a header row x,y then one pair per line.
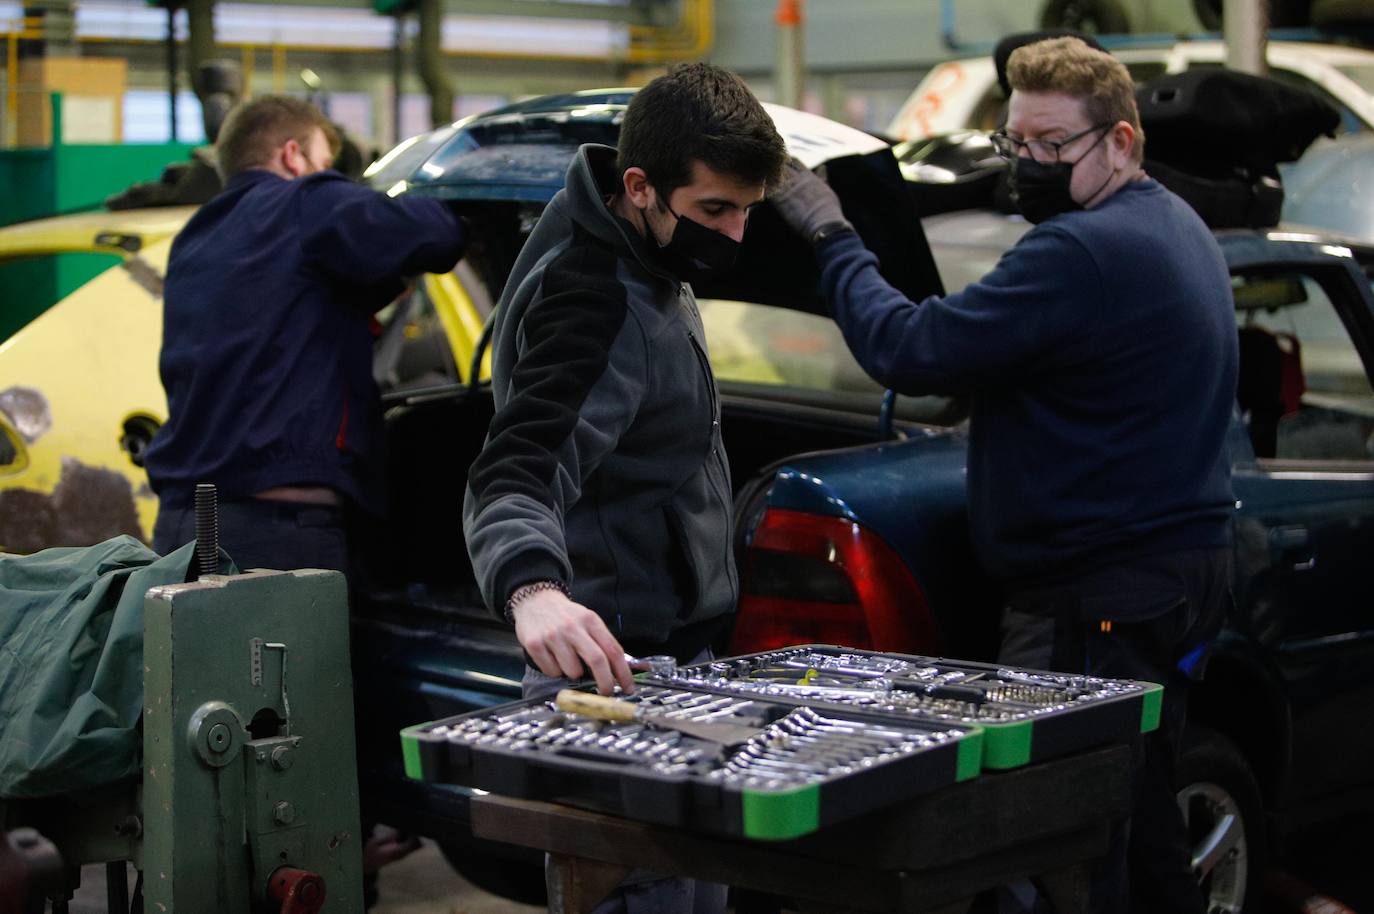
x,y
266,339
1100,355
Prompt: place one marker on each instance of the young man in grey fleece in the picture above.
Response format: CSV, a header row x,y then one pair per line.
x,y
597,515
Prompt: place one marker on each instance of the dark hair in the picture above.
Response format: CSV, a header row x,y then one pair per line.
x,y
699,112
255,130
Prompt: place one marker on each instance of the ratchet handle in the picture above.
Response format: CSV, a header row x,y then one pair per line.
x,y
600,707
971,694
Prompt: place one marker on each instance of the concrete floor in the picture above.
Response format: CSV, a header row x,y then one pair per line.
x,y
422,883
1333,863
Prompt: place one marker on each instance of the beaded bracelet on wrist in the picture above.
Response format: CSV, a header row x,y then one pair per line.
x,y
525,591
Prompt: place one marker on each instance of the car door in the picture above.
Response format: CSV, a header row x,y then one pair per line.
x,y
79,390
1305,491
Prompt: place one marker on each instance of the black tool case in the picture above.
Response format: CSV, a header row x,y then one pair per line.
x,y
804,770
1026,715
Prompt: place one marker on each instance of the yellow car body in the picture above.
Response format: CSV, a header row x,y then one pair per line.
x,y
80,395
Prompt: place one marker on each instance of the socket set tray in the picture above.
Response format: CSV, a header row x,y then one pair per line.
x,y
1026,715
798,769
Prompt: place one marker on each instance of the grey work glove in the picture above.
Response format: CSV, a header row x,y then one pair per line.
x,y
808,205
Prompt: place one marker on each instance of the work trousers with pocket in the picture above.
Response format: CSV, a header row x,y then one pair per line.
x,y
258,533
1152,618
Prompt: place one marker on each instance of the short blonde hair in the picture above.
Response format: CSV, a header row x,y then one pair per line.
x,y
1067,66
254,130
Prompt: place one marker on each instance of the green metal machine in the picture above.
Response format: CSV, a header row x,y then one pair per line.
x,y
250,788
246,800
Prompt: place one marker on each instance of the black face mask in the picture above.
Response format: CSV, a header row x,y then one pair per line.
x,y
695,251
1041,191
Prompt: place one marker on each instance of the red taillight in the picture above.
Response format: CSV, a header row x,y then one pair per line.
x,y
814,579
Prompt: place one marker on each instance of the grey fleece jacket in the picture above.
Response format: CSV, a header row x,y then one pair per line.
x,y
603,466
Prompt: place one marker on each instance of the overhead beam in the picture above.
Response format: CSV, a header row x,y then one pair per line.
x,y
634,12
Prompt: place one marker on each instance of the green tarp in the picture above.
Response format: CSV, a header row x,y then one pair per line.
x,y
71,663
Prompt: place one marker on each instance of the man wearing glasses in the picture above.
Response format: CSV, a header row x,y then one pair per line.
x,y
1100,358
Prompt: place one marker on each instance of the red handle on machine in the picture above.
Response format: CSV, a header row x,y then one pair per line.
x,y
298,891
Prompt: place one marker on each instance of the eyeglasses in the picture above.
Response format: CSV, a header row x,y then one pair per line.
x,y
1046,152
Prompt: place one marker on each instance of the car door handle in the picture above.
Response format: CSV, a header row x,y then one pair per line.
x,y
1294,542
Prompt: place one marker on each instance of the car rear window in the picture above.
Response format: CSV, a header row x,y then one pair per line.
x,y
1303,390
399,164
778,353
761,344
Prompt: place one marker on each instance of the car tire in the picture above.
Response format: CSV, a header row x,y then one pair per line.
x,y
1336,14
1283,14
138,432
1097,17
519,877
1221,806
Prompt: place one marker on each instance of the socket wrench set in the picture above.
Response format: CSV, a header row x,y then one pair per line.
x,y
1026,715
670,754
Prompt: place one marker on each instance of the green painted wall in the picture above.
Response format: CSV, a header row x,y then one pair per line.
x,y
28,176
61,178
87,174
54,181
29,287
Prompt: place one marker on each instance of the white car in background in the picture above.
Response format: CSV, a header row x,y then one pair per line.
x,y
960,94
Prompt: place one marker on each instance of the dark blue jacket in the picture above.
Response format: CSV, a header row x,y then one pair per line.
x,y
1100,354
266,338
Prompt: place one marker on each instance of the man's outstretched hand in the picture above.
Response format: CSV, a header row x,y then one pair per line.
x,y
807,204
564,638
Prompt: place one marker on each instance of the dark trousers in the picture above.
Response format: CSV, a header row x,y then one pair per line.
x,y
265,534
1153,619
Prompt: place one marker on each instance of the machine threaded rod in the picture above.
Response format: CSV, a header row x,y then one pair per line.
x,y
207,528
